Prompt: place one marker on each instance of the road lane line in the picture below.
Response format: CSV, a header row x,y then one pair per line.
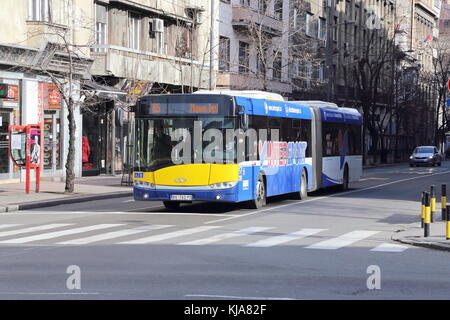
x,y
326,197
343,240
5,226
33,229
224,236
113,235
389,247
170,235
273,241
57,234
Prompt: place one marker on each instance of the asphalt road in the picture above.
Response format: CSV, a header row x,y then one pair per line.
x,y
320,248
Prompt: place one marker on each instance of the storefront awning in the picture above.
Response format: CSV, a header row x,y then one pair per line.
x,y
103,92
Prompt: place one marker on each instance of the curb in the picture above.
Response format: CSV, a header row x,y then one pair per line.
x,y
424,244
68,200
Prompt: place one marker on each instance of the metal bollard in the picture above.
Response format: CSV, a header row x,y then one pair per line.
x,y
427,215
432,202
447,223
422,214
444,201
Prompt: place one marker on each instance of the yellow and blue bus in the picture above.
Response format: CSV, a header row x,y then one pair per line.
x,y
241,147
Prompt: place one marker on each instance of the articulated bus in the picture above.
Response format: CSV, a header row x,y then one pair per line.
x,y
241,147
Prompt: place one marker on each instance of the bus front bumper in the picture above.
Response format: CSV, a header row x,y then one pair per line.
x,y
223,195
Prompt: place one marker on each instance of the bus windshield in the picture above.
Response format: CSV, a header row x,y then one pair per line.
x,y
154,140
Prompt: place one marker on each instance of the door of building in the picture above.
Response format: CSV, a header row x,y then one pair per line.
x,y
6,165
52,160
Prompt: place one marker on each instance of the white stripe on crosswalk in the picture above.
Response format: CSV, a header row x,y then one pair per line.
x,y
273,241
223,236
56,234
344,240
169,235
114,234
389,247
5,226
33,229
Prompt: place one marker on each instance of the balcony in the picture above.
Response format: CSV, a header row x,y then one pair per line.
x,y
129,63
245,17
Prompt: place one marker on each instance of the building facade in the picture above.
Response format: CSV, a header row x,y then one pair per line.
x,y
141,47
32,62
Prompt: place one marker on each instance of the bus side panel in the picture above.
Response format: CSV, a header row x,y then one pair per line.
x,y
247,181
286,179
331,171
354,167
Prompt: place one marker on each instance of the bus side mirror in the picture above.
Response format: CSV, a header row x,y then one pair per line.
x,y
243,119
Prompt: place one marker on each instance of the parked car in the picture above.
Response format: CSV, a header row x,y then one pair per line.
x,y
425,155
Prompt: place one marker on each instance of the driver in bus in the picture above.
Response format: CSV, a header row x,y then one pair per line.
x,y
163,143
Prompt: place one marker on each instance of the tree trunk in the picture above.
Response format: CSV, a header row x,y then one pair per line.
x,y
70,175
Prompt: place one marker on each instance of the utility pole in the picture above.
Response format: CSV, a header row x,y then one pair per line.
x,y
211,45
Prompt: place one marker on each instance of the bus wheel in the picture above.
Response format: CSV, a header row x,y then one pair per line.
x,y
302,194
171,205
260,199
345,180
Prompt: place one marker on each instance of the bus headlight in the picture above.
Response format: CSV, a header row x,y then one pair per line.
x,y
143,184
223,185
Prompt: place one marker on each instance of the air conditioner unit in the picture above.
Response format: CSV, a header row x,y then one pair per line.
x,y
158,25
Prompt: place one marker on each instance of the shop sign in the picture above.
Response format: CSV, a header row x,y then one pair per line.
x,y
13,93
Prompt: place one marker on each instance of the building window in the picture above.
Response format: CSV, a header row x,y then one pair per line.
x,y
262,6
243,57
224,54
134,34
277,66
309,24
39,10
322,29
245,3
261,63
101,29
278,9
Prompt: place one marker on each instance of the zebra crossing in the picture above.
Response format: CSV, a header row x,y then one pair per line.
x,y
124,234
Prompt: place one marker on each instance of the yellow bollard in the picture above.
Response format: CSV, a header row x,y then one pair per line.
x,y
427,219
422,215
447,223
432,202
444,201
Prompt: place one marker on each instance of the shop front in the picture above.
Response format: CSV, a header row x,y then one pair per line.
x,y
9,115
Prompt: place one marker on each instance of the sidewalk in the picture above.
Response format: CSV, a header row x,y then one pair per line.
x,y
13,196
414,235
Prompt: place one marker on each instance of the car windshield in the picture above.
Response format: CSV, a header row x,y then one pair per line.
x,y
424,150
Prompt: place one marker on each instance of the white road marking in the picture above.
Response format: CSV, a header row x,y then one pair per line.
x,y
389,247
344,240
326,197
5,226
224,236
170,235
56,234
126,201
126,213
235,297
273,241
113,234
33,229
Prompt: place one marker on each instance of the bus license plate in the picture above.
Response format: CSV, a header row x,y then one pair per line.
x,y
181,197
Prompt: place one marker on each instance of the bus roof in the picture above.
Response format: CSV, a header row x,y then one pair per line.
x,y
263,95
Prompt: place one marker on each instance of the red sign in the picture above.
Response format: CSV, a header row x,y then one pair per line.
x,y
13,93
448,83
54,97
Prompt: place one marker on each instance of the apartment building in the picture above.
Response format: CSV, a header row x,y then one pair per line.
x,y
254,45
32,32
141,47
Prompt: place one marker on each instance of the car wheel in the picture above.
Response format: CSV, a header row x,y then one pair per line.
x,y
440,163
345,180
260,199
302,194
